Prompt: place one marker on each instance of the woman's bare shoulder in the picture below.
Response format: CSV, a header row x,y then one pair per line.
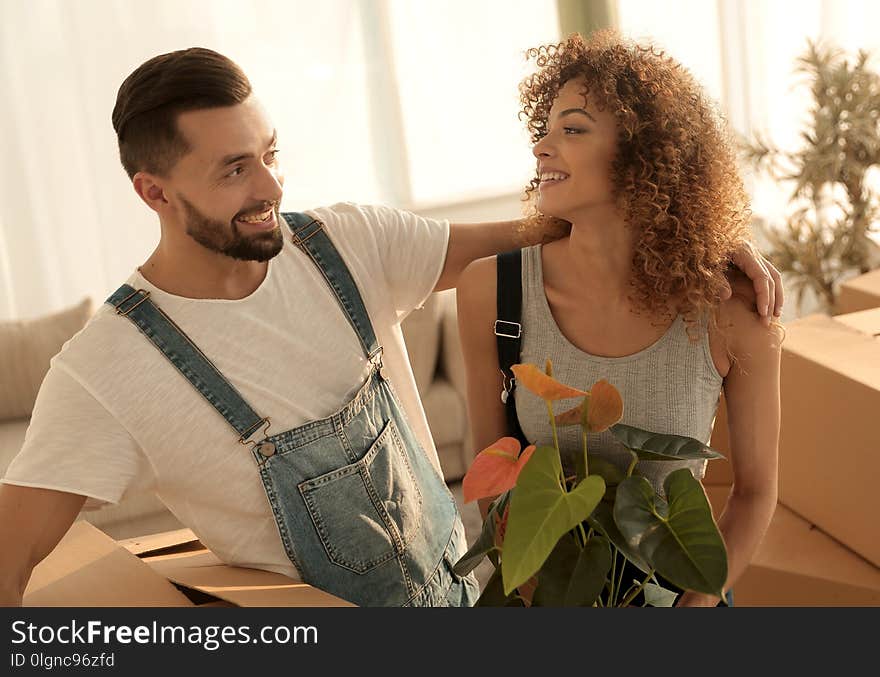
x,y
743,329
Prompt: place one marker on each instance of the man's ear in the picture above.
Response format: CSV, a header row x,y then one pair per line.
x,y
150,188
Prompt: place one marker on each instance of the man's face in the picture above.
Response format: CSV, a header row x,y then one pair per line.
x,y
226,190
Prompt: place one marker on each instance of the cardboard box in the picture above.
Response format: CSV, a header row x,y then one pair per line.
x,y
859,293
829,452
799,565
88,568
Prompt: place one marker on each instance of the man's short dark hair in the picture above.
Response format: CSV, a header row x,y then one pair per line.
x,y
151,98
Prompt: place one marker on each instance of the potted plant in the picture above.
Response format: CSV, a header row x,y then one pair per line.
x,y
833,209
563,541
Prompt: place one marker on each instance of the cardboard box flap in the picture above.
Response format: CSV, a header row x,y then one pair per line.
x,y
203,571
865,321
836,346
793,545
797,545
88,568
868,283
761,586
154,543
859,293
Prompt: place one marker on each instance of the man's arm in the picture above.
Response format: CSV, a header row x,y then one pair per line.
x,y
471,241
32,521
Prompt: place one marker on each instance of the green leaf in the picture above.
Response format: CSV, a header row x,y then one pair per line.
x,y
485,542
493,593
478,551
602,520
657,447
679,538
541,511
571,576
607,470
656,595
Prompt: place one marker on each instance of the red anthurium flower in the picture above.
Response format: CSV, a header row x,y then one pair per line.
x,y
495,469
501,526
545,387
527,590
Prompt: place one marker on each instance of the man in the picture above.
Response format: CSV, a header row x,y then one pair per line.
x,y
252,373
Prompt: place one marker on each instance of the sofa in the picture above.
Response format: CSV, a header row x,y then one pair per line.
x,y
431,335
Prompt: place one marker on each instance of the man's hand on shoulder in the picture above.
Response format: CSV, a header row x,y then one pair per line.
x,y
766,280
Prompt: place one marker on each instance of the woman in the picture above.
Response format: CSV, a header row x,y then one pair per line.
x,y
635,164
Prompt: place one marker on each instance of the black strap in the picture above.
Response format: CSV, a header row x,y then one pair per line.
x,y
508,331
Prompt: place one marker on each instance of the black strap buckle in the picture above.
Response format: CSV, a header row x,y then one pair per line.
x,y
514,326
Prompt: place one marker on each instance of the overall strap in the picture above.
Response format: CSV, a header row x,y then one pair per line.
x,y
310,236
163,332
508,331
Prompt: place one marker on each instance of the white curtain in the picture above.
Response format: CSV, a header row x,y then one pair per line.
x,y
406,103
71,224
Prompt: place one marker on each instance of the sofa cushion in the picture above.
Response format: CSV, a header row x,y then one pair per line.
x,y
445,412
452,358
26,346
11,439
421,333
446,416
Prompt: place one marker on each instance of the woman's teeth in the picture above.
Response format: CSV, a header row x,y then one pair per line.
x,y
553,176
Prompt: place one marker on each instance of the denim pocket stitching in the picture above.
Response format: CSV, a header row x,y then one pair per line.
x,y
362,467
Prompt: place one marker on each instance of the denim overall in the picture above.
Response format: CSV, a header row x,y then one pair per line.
x,y
361,510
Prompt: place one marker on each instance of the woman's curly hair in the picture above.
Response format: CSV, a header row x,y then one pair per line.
x,y
675,175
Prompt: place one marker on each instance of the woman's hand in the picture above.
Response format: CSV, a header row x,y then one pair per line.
x,y
691,598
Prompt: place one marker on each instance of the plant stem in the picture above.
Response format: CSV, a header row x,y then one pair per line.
x,y
613,577
632,596
632,465
586,461
555,439
584,536
620,580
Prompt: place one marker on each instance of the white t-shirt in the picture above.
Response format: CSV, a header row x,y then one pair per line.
x,y
114,417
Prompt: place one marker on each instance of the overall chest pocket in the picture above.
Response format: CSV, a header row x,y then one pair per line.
x,y
367,512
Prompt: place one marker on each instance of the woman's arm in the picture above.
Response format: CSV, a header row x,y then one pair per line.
x,y
751,389
476,318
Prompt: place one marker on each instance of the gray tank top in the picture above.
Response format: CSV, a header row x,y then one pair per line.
x,y
671,387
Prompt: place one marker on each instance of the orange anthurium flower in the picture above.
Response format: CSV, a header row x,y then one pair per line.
x,y
572,416
545,387
606,406
495,469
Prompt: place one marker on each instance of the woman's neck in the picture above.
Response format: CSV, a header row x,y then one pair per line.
x,y
598,254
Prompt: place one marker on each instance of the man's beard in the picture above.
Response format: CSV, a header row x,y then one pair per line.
x,y
226,238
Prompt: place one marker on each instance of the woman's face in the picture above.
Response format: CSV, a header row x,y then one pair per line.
x,y
575,157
